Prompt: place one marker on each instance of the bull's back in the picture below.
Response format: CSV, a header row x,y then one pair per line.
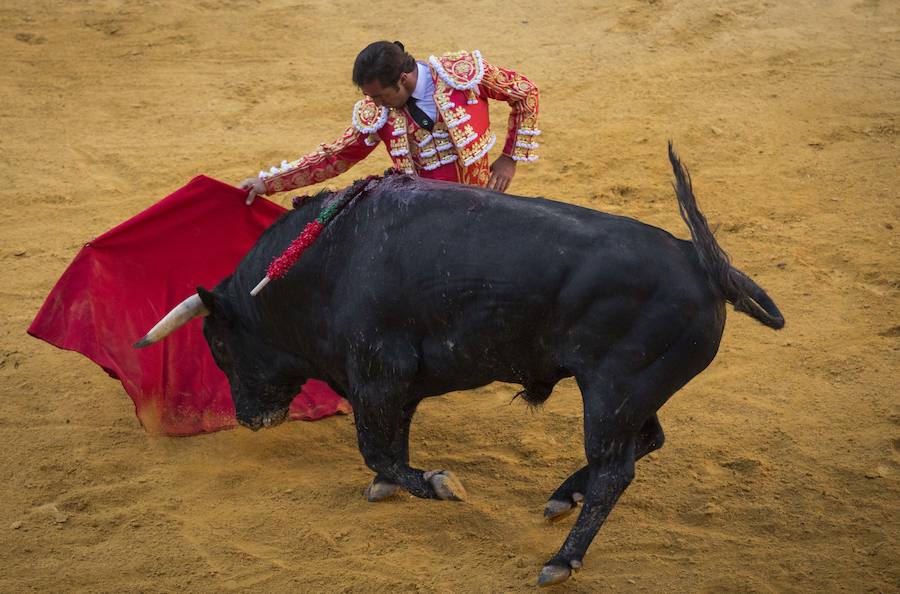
x,y
441,253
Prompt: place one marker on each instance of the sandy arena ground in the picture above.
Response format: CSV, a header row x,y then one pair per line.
x,y
780,473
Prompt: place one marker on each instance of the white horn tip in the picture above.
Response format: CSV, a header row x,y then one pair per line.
x,y
181,314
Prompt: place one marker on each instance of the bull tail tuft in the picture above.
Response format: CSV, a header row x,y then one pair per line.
x,y
737,288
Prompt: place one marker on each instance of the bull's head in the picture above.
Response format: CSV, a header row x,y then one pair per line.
x,y
263,379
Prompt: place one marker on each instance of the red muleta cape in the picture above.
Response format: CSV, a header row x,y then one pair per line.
x,y
123,282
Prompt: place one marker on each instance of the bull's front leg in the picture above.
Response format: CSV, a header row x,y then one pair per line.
x,y
381,428
381,487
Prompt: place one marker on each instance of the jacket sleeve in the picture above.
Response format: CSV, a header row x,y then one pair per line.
x,y
328,161
522,96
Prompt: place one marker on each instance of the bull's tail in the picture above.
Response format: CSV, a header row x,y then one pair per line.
x,y
737,288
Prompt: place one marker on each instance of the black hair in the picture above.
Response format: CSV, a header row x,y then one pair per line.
x,y
382,61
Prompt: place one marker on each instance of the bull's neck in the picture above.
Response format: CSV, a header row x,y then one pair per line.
x,y
269,246
309,207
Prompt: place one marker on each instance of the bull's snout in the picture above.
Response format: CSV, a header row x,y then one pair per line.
x,y
255,422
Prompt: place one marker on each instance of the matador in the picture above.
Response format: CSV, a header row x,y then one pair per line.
x,y
432,118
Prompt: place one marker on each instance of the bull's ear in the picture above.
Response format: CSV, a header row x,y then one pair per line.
x,y
208,299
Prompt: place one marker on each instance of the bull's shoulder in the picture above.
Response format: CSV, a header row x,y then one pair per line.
x,y
368,117
461,70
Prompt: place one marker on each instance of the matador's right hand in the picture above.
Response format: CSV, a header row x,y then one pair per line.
x,y
255,187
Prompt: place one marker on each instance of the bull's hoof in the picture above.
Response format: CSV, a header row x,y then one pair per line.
x,y
446,485
553,574
380,491
557,510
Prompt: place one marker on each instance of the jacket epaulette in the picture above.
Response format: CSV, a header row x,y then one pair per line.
x,y
461,70
369,118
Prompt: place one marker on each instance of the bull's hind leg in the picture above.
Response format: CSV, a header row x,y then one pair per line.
x,y
617,401
610,438
571,491
651,437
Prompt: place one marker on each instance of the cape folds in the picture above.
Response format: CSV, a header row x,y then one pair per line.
x,y
120,284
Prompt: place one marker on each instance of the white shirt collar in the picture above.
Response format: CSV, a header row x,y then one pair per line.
x,y
424,85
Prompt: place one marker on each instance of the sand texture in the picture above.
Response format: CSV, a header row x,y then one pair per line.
x,y
781,471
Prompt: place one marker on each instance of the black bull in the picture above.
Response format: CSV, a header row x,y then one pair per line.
x,y
419,288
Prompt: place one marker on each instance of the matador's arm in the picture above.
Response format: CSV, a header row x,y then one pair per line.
x,y
522,96
328,161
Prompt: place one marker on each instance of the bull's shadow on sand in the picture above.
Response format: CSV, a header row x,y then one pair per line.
x,y
418,288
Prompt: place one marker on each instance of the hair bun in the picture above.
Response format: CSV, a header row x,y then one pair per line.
x,y
400,45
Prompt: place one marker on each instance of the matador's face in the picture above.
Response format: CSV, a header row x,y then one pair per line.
x,y
391,96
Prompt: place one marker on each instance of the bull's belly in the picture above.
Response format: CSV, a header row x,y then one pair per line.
x,y
454,363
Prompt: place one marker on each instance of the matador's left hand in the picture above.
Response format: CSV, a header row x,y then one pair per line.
x,y
502,172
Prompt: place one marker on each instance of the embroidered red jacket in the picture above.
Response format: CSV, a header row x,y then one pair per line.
x,y
456,149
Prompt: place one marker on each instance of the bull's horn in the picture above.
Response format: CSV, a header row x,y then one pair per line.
x,y
181,314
